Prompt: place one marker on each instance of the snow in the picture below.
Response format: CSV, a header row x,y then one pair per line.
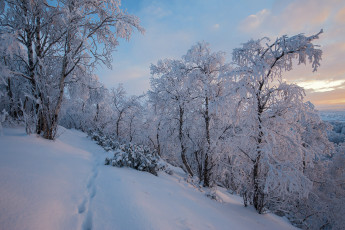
x,y
64,184
336,115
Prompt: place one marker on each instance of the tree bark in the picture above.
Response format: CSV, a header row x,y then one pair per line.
x,y
183,147
51,130
207,163
158,142
259,196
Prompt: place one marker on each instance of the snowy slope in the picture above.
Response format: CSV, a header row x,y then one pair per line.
x,y
63,184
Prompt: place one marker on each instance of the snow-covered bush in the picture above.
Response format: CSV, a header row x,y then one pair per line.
x,y
107,142
337,134
138,157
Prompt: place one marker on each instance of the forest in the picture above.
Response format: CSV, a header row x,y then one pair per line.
x,y
235,124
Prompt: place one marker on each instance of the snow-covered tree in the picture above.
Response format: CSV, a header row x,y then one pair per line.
x,y
61,39
267,108
125,110
190,104
206,71
85,106
170,94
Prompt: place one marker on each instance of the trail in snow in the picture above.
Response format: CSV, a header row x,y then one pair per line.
x,y
91,193
63,184
90,188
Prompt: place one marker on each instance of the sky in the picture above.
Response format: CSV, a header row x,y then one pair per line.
x,y
173,26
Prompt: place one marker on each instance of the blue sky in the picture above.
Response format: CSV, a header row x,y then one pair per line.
x,y
173,26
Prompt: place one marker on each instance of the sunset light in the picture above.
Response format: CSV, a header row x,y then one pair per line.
x,y
173,26
172,114
323,85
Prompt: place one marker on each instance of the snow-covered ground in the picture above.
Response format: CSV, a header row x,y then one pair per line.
x,y
329,115
63,184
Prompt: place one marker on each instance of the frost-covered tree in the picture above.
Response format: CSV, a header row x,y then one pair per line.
x,y
91,34
170,94
190,104
267,109
28,24
125,111
85,106
325,205
59,40
134,120
206,71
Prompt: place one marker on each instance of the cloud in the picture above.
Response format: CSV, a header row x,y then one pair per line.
x,y
216,26
322,85
157,11
296,16
340,16
254,21
328,100
172,27
308,16
131,65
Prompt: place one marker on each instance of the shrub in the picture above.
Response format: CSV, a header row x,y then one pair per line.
x,y
138,157
107,142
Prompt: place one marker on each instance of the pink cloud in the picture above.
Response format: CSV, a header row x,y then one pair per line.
x,y
340,16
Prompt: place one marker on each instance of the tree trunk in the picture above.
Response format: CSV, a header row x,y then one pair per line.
x,y
259,196
12,107
183,148
207,162
199,163
207,172
118,124
43,112
158,142
52,127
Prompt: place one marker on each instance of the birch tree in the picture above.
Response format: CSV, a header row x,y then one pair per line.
x,y
206,71
170,95
267,108
62,39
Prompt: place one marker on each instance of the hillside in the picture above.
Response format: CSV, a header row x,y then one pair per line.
x,y
63,184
